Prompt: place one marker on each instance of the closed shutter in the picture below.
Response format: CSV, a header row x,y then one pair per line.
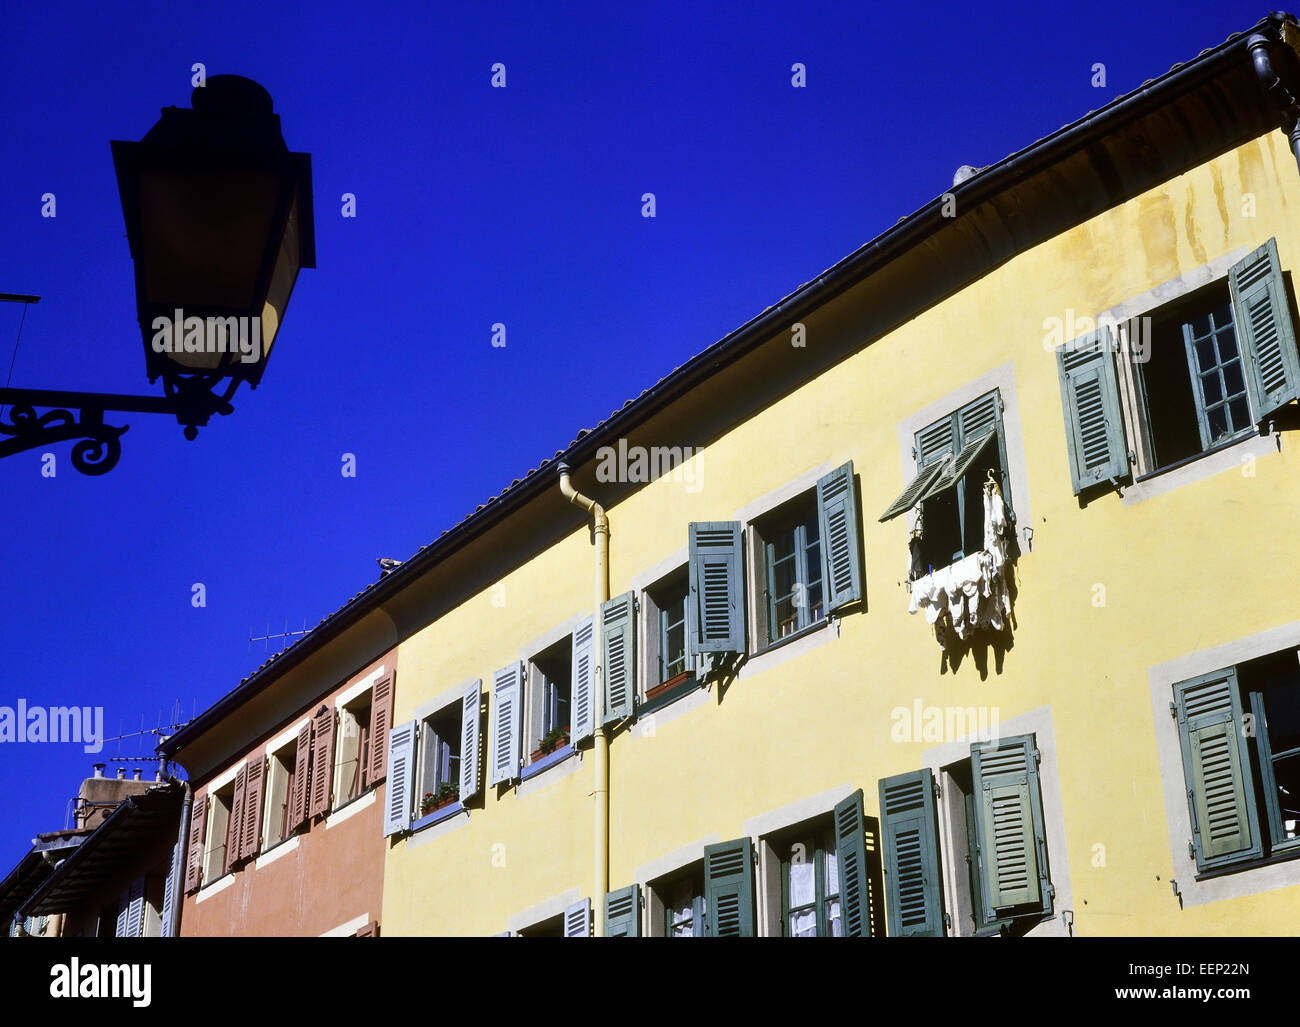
x,y
584,681
135,910
623,912
401,778
851,850
577,920
253,808
837,515
507,722
913,886
123,912
197,841
298,799
1009,828
1094,430
381,719
235,823
171,887
469,734
322,761
1262,319
618,657
729,888
716,572
1220,786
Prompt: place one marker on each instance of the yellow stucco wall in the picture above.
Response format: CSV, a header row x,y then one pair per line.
x,y
1204,564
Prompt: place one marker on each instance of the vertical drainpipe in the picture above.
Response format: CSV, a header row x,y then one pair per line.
x,y
1276,84
600,529
177,882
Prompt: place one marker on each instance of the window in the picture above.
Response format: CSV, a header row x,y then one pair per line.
x,y
1000,837
810,884
438,778
792,568
668,670
220,837
1239,731
281,767
955,456
550,682
433,763
1197,374
352,763
670,618
574,922
679,908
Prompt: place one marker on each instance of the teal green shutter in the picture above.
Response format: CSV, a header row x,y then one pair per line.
x,y
851,850
915,491
623,912
1012,845
837,514
934,442
717,584
1261,316
913,884
618,657
1216,766
1094,429
729,889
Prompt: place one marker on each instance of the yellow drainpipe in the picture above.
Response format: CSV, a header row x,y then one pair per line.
x,y
601,750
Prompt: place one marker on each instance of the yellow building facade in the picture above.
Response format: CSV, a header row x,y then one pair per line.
x,y
1042,764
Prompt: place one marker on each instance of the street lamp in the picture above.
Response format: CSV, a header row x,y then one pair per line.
x,y
219,219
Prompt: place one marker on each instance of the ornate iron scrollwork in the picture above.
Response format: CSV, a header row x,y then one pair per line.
x,y
96,453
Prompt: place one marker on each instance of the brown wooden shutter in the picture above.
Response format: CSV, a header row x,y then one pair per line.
x,y
381,719
301,771
253,808
370,930
235,825
198,828
322,761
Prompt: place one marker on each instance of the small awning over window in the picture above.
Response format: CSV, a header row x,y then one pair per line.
x,y
938,476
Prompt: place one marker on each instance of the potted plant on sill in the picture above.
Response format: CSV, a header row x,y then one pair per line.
x,y
448,792
426,804
551,741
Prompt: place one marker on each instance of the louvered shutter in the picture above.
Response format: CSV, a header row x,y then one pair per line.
x,y
507,724
235,822
123,912
618,657
623,912
837,514
1009,822
322,761
851,851
1220,786
171,886
135,910
469,732
913,886
1262,319
300,796
577,920
197,841
381,720
253,808
584,681
401,778
916,490
729,888
1094,430
935,442
716,572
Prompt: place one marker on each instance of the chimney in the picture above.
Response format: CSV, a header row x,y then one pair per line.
x,y
99,769
135,774
121,773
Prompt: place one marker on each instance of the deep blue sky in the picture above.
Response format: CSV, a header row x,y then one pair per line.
x,y
475,205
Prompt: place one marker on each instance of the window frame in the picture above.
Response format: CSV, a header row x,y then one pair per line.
x,y
346,707
794,516
536,700
453,711
820,831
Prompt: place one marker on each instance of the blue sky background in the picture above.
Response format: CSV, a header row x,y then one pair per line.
x,y
474,205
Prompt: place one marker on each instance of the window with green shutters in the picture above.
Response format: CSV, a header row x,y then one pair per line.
x,y
623,912
729,889
913,881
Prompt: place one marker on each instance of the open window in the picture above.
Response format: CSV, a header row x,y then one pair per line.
x,y
220,844
281,768
667,669
433,764
678,908
550,701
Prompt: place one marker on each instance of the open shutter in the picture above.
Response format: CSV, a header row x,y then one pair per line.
x,y
729,888
1009,820
623,912
299,798
584,681
837,514
235,823
123,912
507,724
135,910
1094,430
197,840
851,848
577,920
381,720
716,572
618,657
253,808
322,761
1220,786
1262,319
935,442
916,490
913,887
401,778
171,888
469,721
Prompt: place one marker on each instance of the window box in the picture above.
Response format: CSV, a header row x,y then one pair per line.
x,y
537,766
443,812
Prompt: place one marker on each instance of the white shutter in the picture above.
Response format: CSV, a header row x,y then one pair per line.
x,y
123,907
170,887
577,920
135,910
584,671
469,739
401,778
507,723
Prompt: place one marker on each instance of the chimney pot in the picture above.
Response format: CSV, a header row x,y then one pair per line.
x,y
99,769
121,773
135,774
